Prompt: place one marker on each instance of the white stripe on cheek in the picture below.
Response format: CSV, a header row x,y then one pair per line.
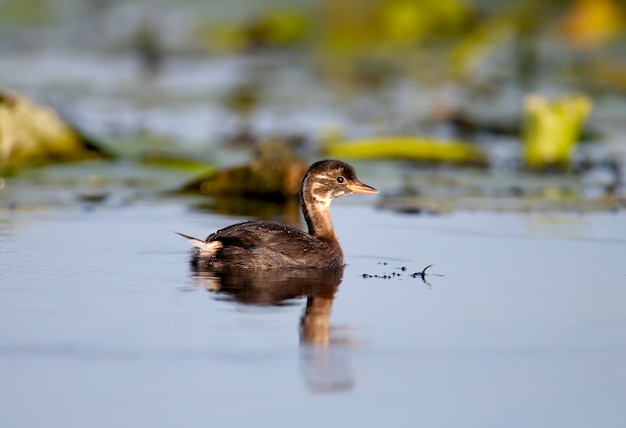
x,y
324,198
324,176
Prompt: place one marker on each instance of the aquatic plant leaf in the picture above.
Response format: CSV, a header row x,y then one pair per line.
x,y
31,134
408,147
275,174
552,129
162,159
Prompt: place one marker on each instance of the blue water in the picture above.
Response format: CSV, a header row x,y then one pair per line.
x,y
520,323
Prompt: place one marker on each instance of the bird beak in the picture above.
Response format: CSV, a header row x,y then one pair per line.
x,y
359,187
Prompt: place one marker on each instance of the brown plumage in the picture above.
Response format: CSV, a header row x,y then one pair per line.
x,y
269,245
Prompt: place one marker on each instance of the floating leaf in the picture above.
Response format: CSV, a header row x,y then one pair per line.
x,y
31,134
408,147
275,174
552,128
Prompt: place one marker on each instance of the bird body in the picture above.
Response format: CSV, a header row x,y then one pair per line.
x,y
263,245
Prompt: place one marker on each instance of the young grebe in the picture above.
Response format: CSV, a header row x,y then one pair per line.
x,y
271,245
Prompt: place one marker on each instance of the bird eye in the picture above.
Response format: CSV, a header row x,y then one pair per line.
x,y
340,179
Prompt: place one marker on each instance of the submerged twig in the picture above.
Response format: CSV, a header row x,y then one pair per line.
x,y
422,274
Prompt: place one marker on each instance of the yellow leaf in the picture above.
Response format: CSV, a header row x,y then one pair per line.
x,y
408,147
552,129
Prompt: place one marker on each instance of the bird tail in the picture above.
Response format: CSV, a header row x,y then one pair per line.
x,y
205,248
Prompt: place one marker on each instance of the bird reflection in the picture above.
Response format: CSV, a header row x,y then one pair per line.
x,y
324,357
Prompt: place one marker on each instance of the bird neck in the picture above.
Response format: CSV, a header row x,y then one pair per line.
x,y
316,211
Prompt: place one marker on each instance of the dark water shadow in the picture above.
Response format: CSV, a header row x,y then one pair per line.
x,y
324,351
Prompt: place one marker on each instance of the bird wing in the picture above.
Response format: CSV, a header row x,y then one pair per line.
x,y
287,240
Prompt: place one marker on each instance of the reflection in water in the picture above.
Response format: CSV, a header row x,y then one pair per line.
x,y
325,359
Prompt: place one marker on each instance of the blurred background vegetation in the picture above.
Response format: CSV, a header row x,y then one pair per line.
x,y
514,85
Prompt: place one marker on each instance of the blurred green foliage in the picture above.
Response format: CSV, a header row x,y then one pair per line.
x,y
452,37
26,12
364,44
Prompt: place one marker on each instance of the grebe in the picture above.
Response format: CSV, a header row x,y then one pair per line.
x,y
263,245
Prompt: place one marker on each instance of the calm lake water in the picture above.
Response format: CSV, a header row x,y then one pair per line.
x,y
520,322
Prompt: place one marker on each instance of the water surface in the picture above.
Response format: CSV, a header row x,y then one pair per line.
x,y
520,323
